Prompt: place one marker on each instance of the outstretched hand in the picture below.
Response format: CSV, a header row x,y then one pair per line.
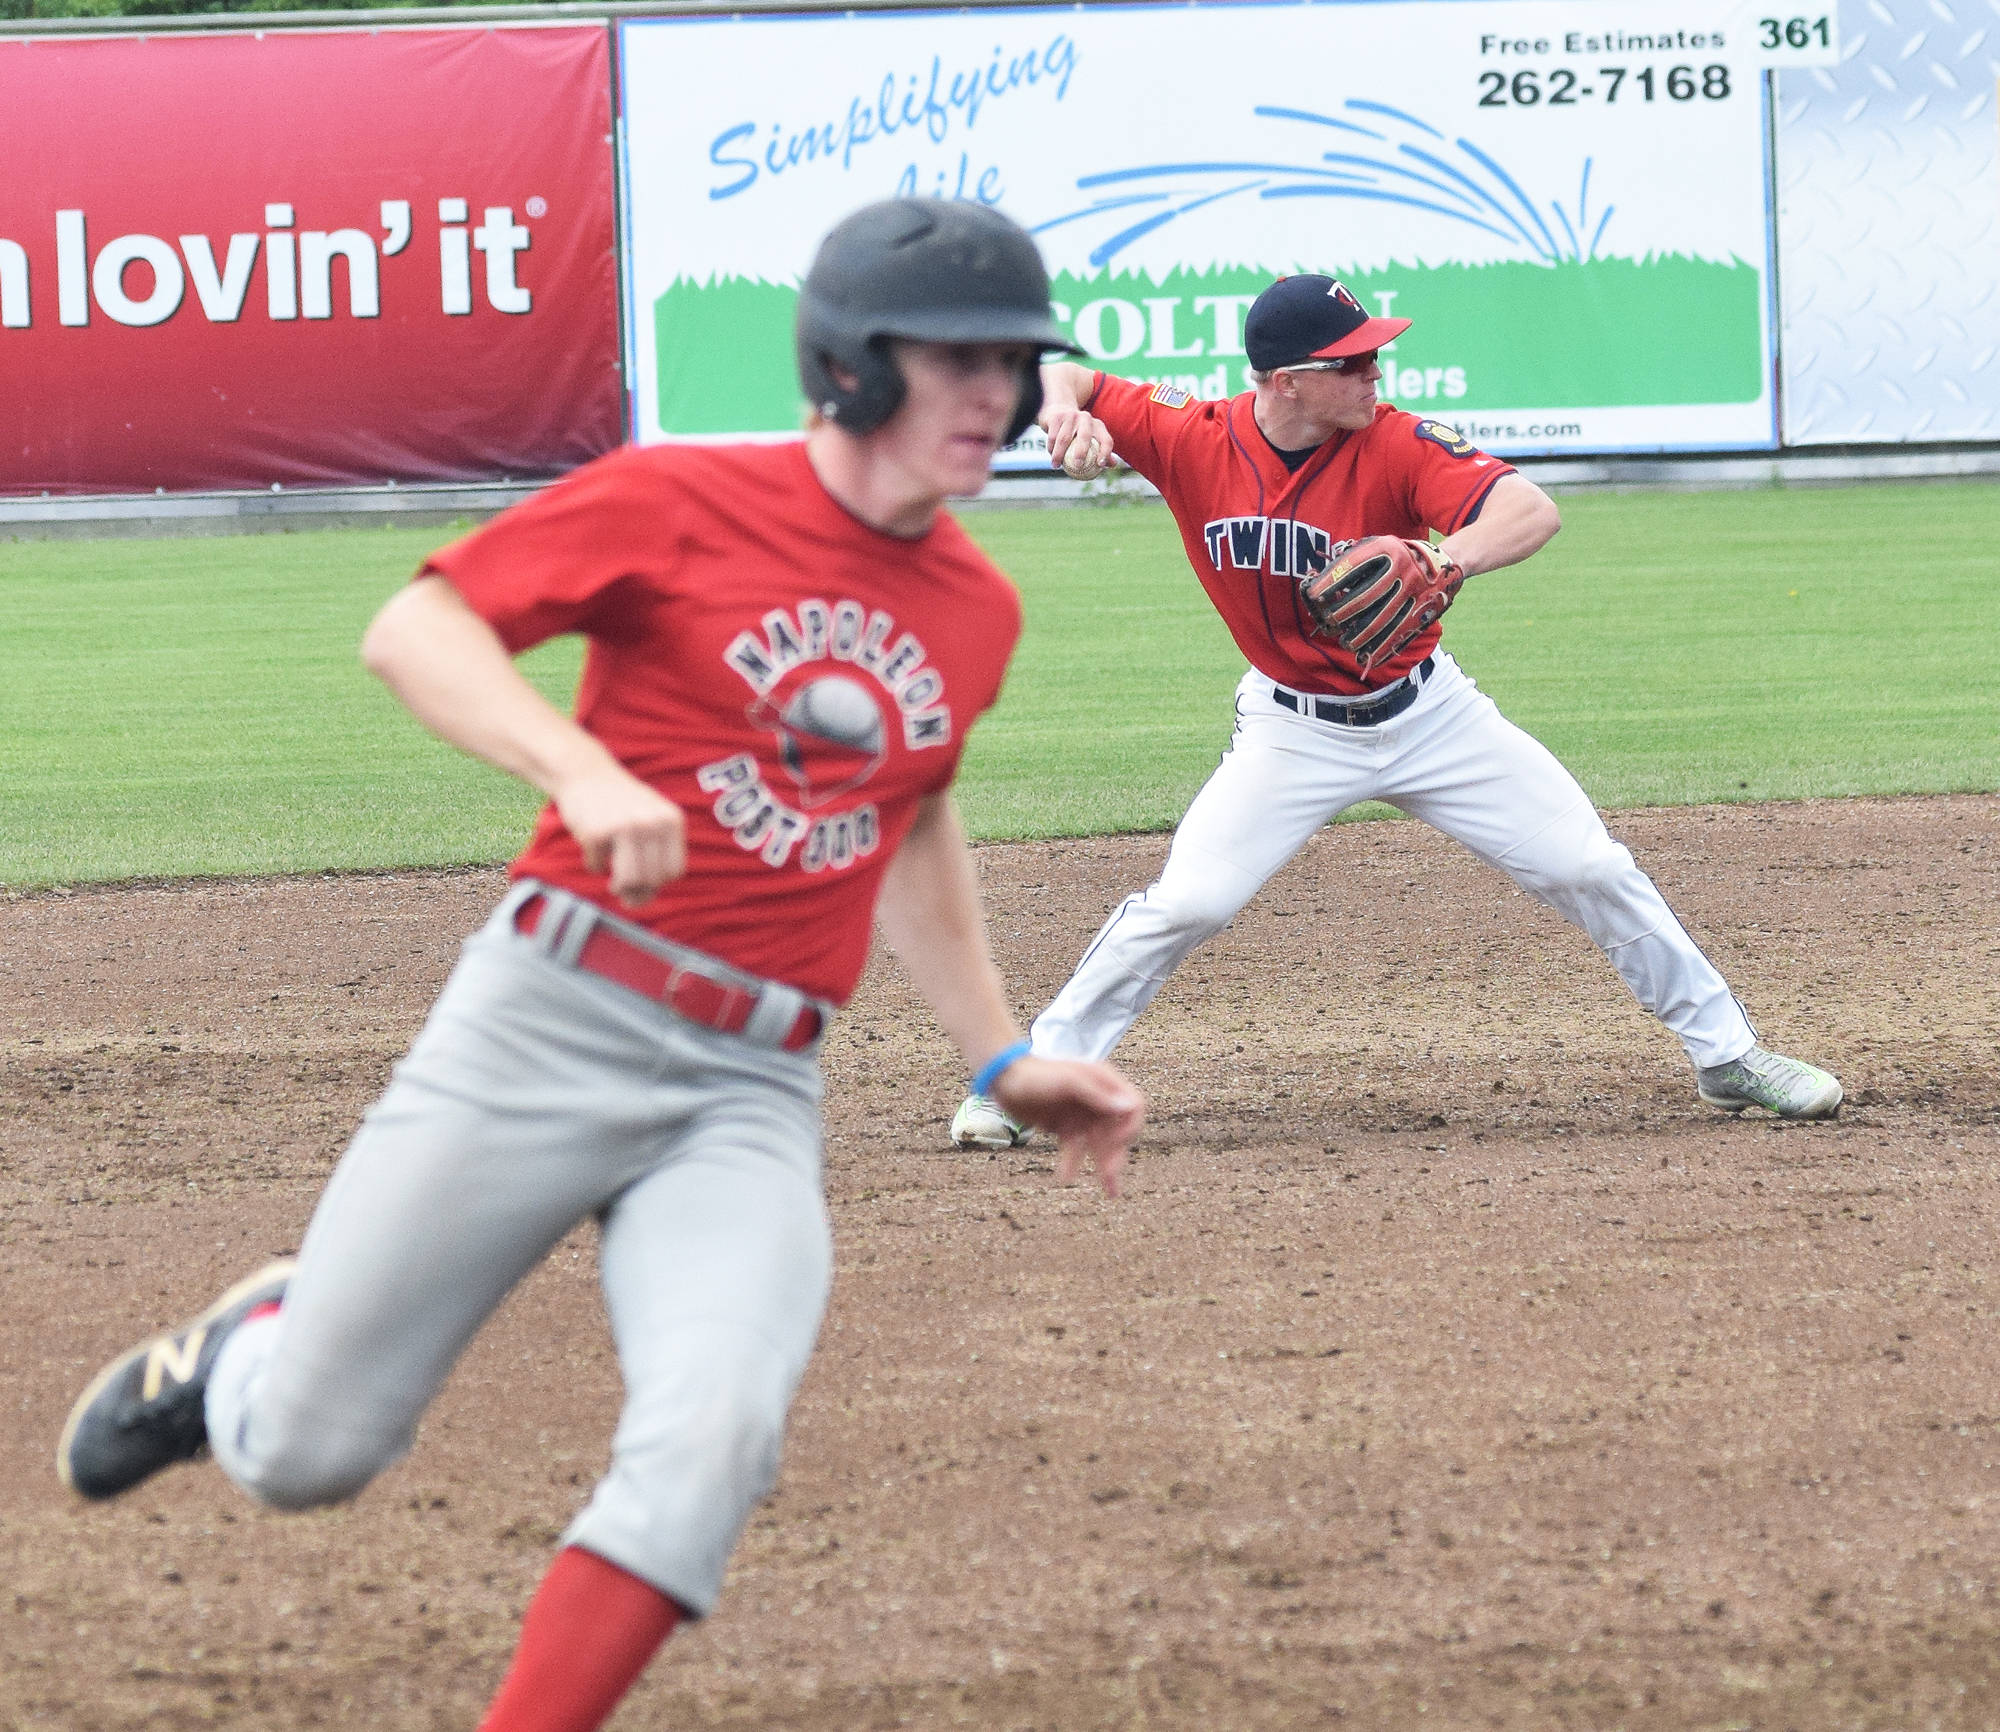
x,y
1090,1108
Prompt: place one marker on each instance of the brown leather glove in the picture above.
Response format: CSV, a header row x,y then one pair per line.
x,y
1375,595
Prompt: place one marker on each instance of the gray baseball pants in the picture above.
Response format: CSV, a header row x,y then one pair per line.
x,y
538,1095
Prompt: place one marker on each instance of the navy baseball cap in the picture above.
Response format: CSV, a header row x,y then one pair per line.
x,y
1311,319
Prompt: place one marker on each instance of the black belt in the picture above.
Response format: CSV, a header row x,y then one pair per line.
x,y
1360,712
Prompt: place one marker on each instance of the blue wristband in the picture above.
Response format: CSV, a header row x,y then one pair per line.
x,y
998,1065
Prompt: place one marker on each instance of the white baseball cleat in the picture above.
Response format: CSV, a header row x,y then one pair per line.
x,y
980,1124
1761,1078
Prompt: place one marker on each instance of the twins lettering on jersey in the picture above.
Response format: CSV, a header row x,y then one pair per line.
x,y
1282,546
831,733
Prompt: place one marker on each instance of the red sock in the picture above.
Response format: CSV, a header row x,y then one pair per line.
x,y
588,1633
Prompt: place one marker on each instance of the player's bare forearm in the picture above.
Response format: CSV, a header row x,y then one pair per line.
x,y
1065,417
929,911
1518,519
1065,385
452,672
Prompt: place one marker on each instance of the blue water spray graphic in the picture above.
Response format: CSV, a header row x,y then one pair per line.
x,y
1470,187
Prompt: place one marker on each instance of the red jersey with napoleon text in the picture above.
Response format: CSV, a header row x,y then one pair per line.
x,y
1249,523
794,680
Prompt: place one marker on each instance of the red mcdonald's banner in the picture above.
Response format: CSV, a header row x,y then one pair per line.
x,y
305,257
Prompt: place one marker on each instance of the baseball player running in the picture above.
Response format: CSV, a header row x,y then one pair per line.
x,y
1348,696
787,644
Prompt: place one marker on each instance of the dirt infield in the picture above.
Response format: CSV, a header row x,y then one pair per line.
x,y
1448,1365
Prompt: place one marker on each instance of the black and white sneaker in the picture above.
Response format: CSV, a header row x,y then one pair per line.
x,y
143,1411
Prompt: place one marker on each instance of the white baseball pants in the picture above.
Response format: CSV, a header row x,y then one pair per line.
x,y
537,1096
1450,759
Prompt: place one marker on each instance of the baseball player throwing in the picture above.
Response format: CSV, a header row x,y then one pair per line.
x,y
787,644
1348,696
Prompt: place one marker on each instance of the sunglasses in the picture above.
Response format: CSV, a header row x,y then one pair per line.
x,y
1336,364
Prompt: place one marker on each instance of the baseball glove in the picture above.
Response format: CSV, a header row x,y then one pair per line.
x,y
1374,595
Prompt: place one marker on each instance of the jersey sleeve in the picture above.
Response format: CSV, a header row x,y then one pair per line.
x,y
1447,478
1154,428
566,559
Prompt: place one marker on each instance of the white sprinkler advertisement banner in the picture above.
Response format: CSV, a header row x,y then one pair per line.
x,y
1569,201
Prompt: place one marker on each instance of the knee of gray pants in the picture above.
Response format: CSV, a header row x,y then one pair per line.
x,y
693,1456
306,1466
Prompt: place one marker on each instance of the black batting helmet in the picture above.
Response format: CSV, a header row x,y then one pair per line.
x,y
935,270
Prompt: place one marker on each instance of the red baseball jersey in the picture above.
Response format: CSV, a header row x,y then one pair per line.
x,y
793,679
1249,523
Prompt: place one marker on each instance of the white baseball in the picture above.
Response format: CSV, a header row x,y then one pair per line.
x,y
1084,460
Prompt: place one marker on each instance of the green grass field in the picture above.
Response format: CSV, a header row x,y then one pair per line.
x,y
181,707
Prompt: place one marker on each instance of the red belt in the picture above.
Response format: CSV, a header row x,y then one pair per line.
x,y
698,997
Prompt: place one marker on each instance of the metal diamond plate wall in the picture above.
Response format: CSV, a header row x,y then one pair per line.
x,y
1888,173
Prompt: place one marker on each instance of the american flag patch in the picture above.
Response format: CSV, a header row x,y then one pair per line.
x,y
1172,396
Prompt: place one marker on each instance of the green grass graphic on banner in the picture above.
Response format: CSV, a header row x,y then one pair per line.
x,y
1577,335
1597,333
725,355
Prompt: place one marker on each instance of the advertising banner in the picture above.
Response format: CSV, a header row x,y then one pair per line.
x,y
1570,202
305,257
